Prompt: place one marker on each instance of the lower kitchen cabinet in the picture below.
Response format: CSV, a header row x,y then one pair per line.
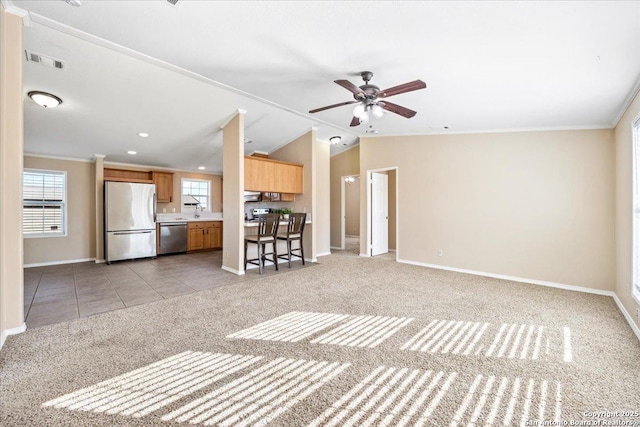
x,y
204,235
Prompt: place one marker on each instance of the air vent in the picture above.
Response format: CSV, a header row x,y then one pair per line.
x,y
173,3
44,60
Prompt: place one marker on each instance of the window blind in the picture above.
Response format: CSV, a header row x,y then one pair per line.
x,y
44,196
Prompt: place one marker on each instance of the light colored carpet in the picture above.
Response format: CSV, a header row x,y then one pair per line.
x,y
352,341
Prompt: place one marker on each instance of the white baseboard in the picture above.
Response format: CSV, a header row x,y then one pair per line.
x,y
69,261
512,278
365,255
100,261
338,248
323,254
625,313
612,294
13,331
232,270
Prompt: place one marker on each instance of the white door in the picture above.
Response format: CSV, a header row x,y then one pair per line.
x,y
379,213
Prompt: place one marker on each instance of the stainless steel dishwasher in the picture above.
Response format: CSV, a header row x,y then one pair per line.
x,y
173,237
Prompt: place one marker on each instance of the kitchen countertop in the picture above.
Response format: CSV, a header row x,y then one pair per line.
x,y
282,222
188,217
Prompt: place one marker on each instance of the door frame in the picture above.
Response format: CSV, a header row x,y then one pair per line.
x,y
343,208
397,207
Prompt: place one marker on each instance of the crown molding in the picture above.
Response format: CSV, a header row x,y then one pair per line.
x,y
11,8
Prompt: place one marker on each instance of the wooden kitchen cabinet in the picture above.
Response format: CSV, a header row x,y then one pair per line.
x,y
195,236
272,176
164,186
204,235
213,235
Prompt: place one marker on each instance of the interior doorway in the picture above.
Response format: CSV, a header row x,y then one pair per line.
x,y
382,212
350,212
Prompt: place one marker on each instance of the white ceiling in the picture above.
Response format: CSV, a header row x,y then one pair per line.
x,y
488,66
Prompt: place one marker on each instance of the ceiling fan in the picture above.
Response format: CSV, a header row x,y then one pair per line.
x,y
370,99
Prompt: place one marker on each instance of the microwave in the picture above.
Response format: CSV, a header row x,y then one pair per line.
x,y
252,196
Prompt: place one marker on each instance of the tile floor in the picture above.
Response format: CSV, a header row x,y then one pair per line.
x,y
59,293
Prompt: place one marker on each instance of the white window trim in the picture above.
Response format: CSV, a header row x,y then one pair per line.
x,y
635,227
182,180
65,204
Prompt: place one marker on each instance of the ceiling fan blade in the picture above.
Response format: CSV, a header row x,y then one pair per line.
x,y
332,106
398,109
355,90
403,88
355,121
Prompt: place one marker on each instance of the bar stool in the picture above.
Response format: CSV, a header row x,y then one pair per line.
x,y
267,231
294,232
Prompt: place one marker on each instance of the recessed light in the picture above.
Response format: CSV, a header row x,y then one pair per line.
x,y
44,99
201,168
132,152
143,134
248,141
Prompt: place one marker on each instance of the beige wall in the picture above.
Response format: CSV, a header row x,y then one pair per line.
x,y
216,185
343,164
233,188
533,205
216,191
352,208
11,147
624,208
314,156
322,210
79,243
392,209
99,206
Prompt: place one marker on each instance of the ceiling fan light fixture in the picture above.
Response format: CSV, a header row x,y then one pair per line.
x,y
359,111
377,111
334,140
44,99
364,118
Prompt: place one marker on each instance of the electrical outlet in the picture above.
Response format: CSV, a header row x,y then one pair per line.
x,y
440,252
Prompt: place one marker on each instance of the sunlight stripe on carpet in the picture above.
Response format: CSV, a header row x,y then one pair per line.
x,y
363,331
488,402
291,327
509,340
260,396
389,397
144,390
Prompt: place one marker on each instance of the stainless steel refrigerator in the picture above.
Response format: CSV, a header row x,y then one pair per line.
x,y
129,220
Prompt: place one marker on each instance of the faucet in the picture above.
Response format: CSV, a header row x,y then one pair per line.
x,y
195,213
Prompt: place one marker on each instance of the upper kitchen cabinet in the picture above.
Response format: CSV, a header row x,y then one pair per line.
x,y
272,176
164,186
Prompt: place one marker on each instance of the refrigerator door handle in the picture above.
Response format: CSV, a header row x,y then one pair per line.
x,y
119,233
154,207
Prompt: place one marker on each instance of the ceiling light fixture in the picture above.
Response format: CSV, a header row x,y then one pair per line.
x,y
75,3
44,99
335,140
362,111
143,134
201,168
132,152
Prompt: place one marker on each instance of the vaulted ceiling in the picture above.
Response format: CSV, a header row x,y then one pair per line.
x,y
178,72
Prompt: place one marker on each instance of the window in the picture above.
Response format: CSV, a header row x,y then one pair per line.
x,y
635,287
44,203
195,192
